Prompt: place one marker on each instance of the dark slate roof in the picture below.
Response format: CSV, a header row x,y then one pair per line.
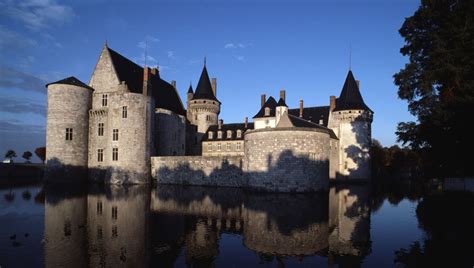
x,y
190,89
270,103
127,71
71,80
204,88
165,95
234,127
282,102
300,122
313,114
350,97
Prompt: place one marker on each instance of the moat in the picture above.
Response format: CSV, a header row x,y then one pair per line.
x,y
176,226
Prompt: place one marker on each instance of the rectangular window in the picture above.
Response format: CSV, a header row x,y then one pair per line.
x,y
219,146
104,100
99,208
238,146
124,112
100,155
114,154
115,135
228,146
69,134
100,129
114,212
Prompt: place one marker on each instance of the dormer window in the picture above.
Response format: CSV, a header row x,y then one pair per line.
x,y
239,133
320,121
267,111
219,134
210,135
229,134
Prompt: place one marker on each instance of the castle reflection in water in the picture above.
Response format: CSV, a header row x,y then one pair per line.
x,y
137,226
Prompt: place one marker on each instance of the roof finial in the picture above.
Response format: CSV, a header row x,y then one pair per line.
x,y
204,61
106,45
350,57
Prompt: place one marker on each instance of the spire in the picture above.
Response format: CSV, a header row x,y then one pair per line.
x,y
204,87
105,44
190,89
350,97
204,61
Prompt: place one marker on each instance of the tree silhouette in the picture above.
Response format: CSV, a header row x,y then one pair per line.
x,y
41,153
10,154
27,155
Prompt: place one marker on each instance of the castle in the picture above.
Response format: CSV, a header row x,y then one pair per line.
x,y
128,125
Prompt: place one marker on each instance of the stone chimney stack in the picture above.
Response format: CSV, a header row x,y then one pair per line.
x,y
219,126
332,103
358,84
263,98
146,81
214,86
282,94
154,71
173,83
301,108
246,121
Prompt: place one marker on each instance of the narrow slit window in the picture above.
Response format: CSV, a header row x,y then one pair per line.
x,y
124,112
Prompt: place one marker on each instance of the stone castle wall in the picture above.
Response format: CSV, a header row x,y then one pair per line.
x,y
68,107
134,138
199,170
170,133
287,159
282,160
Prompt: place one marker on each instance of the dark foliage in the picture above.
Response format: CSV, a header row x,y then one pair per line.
x,y
438,84
41,153
10,154
27,155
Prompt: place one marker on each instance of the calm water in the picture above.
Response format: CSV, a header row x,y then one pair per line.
x,y
168,226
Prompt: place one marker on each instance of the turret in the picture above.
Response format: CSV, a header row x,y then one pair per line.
x,y
203,106
69,102
351,119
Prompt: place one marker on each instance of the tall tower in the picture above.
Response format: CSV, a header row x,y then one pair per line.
x,y
69,102
351,120
203,106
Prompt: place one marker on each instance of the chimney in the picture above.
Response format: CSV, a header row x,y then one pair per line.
x,y
214,86
263,98
301,108
220,123
282,94
358,84
146,82
154,71
332,103
246,121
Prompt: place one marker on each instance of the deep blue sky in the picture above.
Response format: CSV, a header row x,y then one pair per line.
x,y
252,47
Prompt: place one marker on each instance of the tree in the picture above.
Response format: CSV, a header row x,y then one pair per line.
x,y
438,83
41,153
10,154
27,155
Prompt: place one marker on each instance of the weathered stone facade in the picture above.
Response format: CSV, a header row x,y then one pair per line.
x,y
68,108
170,133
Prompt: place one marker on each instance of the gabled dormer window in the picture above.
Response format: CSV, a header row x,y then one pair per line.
x,y
210,135
267,111
239,133
229,134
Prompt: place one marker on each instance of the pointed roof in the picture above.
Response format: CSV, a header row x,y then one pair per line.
x,y
270,103
204,88
350,97
71,80
281,102
190,89
127,71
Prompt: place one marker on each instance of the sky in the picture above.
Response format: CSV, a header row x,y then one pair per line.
x,y
252,48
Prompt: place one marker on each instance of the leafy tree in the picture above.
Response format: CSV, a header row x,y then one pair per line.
x,y
438,83
27,155
41,153
10,154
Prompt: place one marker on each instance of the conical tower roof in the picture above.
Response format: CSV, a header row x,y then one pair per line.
x,y
350,97
204,88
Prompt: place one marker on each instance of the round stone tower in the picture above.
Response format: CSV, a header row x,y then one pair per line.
x,y
69,102
351,120
203,106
